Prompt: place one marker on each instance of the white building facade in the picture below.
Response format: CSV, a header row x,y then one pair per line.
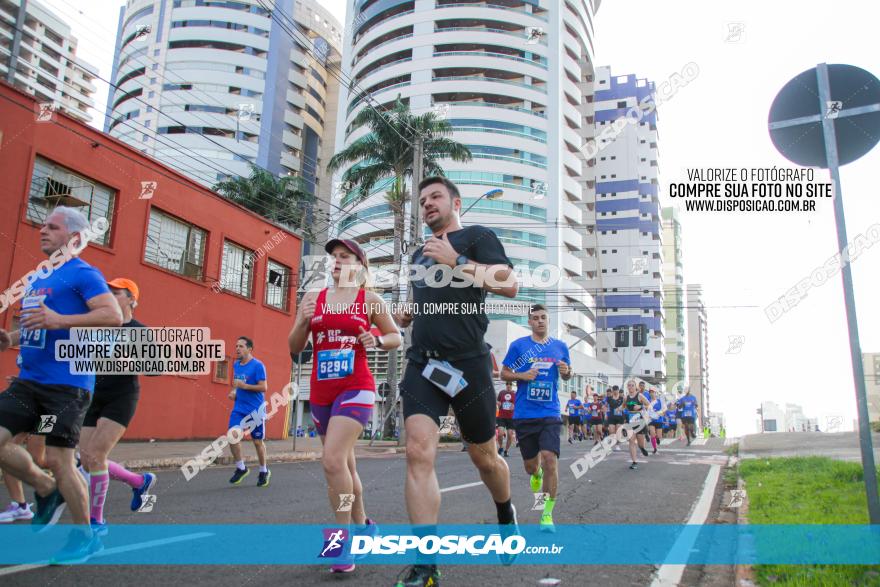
x,y
38,55
628,232
513,78
210,87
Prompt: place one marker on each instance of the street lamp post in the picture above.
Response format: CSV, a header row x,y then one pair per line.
x,y
490,195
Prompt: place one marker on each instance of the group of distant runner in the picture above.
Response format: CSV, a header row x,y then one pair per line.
x,y
448,368
597,417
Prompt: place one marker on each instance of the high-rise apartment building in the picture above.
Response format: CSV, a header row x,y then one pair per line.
x,y
673,302
628,233
698,348
210,87
871,367
38,55
514,79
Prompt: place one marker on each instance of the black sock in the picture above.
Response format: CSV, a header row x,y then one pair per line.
x,y
22,504
505,512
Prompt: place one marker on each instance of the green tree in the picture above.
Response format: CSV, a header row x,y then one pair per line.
x,y
283,199
383,159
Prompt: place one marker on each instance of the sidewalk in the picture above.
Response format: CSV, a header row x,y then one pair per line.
x,y
173,454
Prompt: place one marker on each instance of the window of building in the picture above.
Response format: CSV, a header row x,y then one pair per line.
x,y
175,245
277,285
237,269
221,371
53,185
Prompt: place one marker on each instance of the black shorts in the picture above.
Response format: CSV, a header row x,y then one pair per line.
x,y
574,420
505,423
656,424
673,427
537,434
595,421
118,407
53,411
687,420
615,420
474,406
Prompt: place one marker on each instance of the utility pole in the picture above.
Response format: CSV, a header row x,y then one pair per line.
x,y
415,228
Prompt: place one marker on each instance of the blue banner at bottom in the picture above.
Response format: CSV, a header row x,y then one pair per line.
x,y
263,544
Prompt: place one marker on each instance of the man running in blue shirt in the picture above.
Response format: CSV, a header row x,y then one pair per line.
x,y
573,409
65,292
688,405
249,385
536,363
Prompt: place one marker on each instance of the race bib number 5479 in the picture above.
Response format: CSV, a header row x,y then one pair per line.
x,y
32,338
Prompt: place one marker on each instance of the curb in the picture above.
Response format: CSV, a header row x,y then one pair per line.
x,y
744,575
284,457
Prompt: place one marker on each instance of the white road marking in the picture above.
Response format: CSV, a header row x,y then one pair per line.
x,y
465,486
699,441
668,574
110,551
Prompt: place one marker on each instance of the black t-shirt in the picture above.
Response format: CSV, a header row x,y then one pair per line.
x,y
119,383
455,333
633,404
614,405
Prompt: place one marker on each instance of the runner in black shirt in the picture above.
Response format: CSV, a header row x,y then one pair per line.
x,y
614,412
453,334
112,409
635,404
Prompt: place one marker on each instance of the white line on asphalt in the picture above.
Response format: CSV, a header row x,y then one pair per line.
x,y
465,486
669,575
699,441
111,551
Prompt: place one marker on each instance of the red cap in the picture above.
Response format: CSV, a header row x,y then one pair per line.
x,y
349,244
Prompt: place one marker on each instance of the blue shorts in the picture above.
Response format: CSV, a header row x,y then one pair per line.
x,y
537,434
256,425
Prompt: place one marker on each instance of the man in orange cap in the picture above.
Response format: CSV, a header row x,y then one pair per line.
x,y
112,409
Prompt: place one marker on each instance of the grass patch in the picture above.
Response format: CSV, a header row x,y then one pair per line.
x,y
808,490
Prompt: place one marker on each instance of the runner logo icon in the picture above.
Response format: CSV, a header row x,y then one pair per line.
x,y
334,542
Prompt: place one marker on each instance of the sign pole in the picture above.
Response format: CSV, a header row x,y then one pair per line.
x,y
829,135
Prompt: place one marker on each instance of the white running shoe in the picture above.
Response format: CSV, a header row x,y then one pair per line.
x,y
15,512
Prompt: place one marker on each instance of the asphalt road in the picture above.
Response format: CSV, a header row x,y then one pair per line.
x,y
663,490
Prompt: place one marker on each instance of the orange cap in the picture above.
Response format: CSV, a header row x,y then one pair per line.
x,y
123,283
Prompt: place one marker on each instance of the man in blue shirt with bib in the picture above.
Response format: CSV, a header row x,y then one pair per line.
x,y
248,412
536,363
63,293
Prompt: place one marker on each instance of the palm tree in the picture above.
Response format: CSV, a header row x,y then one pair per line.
x,y
284,199
384,157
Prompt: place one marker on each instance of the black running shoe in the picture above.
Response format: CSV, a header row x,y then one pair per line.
x,y
49,509
569,440
655,450
506,454
419,576
644,450
500,450
633,466
238,476
263,479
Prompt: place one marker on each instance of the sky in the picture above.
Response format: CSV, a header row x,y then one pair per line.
x,y
742,261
